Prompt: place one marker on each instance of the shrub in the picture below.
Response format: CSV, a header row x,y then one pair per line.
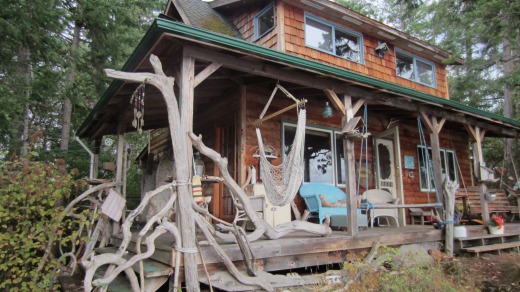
x,y
32,198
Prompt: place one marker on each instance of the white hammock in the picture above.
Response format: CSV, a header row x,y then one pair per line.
x,y
283,181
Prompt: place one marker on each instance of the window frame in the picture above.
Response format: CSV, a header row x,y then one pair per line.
x,y
333,134
415,68
256,23
335,27
431,187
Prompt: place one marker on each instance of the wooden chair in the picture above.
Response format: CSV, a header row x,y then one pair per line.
x,y
374,197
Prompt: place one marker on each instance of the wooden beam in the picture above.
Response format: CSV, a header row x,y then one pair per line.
x,y
266,70
427,122
350,172
279,112
243,134
335,101
357,106
205,73
436,160
440,125
184,208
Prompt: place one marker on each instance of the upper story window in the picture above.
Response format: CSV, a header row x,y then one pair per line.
x,y
414,68
324,36
264,21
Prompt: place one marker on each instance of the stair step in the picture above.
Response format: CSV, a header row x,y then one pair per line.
x,y
151,267
468,238
499,246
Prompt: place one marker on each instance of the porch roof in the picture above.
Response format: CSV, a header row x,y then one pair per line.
x,y
401,97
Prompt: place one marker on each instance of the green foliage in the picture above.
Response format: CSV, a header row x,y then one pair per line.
x,y
398,277
32,199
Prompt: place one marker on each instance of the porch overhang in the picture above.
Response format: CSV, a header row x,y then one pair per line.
x,y
248,57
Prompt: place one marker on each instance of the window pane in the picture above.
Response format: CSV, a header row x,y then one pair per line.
x,y
318,35
340,160
425,72
348,46
443,164
452,170
422,169
266,21
404,64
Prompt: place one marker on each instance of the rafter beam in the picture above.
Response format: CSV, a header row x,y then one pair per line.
x,y
205,73
335,101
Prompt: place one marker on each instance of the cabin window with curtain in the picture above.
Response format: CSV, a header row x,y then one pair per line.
x,y
264,21
448,167
324,36
323,154
414,68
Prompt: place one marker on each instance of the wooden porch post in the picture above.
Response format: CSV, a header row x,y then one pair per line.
x,y
183,163
477,135
97,149
350,172
434,128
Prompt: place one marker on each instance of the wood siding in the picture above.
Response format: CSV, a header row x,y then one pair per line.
x,y
244,21
408,137
379,68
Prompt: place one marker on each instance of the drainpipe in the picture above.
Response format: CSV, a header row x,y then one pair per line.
x,y
90,153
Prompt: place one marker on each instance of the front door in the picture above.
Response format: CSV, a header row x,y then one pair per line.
x,y
388,165
227,146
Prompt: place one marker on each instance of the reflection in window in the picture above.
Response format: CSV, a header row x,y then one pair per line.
x,y
321,155
415,69
404,64
341,42
264,21
448,167
318,35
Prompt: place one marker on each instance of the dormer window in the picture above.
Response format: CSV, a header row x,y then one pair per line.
x,y
324,36
264,21
413,68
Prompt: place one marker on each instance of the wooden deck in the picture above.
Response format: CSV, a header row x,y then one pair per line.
x,y
299,250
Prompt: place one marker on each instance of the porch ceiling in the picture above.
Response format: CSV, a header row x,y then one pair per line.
x,y
247,63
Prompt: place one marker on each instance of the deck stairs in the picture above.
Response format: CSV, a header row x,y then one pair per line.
x,y
478,240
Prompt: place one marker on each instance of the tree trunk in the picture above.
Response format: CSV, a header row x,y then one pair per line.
x,y
67,103
510,64
25,69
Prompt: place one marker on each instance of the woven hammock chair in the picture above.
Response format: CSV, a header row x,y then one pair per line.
x,y
283,181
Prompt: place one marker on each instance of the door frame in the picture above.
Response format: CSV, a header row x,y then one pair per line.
x,y
392,134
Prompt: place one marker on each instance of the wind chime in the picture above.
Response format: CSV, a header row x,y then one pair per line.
x,y
138,101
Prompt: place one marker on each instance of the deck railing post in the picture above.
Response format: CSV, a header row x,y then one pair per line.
x,y
350,175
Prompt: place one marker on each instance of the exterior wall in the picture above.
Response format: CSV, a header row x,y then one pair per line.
x,y
382,69
408,138
244,21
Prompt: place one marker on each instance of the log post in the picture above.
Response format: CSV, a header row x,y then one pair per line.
x,y
183,167
434,129
450,188
477,135
350,169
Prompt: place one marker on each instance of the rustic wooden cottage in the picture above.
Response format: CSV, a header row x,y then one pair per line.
x,y
378,117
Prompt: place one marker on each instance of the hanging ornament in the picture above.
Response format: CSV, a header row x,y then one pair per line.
x,y
137,100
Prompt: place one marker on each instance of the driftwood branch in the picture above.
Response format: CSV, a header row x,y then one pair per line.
x,y
261,226
253,281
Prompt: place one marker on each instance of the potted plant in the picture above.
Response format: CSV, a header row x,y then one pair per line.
x,y
496,225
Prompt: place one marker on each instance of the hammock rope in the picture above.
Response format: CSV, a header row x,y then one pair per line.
x,y
283,181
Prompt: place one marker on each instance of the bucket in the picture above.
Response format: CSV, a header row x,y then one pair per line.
x,y
460,231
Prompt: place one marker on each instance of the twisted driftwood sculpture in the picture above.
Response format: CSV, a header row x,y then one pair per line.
x,y
181,144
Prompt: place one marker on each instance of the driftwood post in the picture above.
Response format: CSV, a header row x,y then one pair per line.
x,y
450,188
181,144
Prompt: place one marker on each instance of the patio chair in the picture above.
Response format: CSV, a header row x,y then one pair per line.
x,y
374,197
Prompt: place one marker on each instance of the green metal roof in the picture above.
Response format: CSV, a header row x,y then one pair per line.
x,y
162,25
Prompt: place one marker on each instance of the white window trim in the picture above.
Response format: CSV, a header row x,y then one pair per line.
x,y
260,14
415,72
428,178
334,28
